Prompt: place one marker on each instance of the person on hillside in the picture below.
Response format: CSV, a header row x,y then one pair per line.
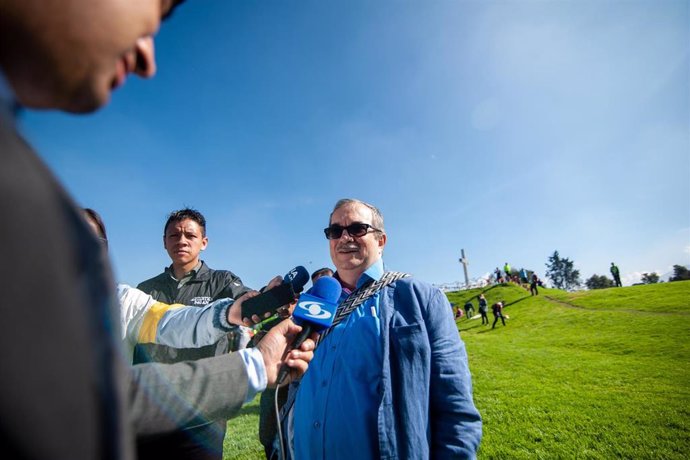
x,y
458,311
523,276
483,309
469,309
507,270
497,309
498,275
616,273
533,285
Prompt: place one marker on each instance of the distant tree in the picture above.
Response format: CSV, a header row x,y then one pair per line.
x,y
598,282
561,271
650,278
680,273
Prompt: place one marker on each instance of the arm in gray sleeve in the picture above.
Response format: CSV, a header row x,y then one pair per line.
x,y
166,397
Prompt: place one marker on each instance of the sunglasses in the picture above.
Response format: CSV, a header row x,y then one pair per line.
x,y
357,229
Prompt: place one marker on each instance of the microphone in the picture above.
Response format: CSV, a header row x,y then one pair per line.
x,y
298,277
283,294
315,312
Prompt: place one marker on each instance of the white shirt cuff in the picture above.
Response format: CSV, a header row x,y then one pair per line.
x,y
256,371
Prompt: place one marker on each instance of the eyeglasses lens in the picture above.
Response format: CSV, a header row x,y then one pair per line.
x,y
336,231
357,229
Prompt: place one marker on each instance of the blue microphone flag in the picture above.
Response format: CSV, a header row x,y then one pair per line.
x,y
317,306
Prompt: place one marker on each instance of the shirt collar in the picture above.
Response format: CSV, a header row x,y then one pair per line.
x,y
189,274
374,272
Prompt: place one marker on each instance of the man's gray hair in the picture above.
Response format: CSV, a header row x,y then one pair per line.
x,y
376,216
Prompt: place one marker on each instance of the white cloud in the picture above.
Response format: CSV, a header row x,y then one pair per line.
x,y
629,279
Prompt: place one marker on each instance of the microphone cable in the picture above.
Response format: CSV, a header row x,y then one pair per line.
x,y
280,428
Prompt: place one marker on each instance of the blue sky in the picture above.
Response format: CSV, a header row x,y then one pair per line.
x,y
509,129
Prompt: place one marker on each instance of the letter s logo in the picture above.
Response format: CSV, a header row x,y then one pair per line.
x,y
314,310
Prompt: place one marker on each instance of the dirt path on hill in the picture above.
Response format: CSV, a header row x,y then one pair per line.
x,y
637,312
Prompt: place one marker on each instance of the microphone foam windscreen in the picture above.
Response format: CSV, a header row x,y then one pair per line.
x,y
326,288
298,277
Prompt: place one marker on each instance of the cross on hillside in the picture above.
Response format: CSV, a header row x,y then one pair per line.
x,y
465,263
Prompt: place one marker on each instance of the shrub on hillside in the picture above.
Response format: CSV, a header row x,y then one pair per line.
x,y
650,278
680,273
598,282
561,271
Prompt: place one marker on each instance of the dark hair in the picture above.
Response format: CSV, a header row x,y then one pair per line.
x,y
321,272
94,217
186,213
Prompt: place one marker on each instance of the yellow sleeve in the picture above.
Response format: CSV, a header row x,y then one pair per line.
x,y
149,326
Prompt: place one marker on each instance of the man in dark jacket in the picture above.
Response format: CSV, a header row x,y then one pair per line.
x,y
188,281
616,273
497,309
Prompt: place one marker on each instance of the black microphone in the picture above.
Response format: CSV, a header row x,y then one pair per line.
x,y
283,294
315,311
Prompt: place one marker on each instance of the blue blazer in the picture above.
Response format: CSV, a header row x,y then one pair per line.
x,y
426,409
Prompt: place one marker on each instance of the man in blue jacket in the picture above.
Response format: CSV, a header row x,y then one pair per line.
x,y
392,379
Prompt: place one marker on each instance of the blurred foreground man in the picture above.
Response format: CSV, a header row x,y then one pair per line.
x,y
391,380
66,390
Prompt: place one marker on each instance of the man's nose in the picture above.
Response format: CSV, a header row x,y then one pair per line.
x,y
346,235
145,65
181,240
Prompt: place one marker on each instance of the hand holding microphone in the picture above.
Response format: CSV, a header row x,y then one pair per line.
x,y
315,312
277,355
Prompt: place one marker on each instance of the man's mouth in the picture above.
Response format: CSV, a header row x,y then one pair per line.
x,y
348,249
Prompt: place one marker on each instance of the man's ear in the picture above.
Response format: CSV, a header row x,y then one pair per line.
x,y
204,243
382,241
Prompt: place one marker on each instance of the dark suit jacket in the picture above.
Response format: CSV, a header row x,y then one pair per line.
x,y
66,391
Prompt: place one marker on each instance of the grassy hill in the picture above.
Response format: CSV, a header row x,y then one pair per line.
x,y
595,374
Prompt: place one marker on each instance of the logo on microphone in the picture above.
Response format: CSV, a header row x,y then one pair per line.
x,y
314,310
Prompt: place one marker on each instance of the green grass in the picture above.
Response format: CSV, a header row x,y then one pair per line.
x,y
664,297
242,438
594,382
607,378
